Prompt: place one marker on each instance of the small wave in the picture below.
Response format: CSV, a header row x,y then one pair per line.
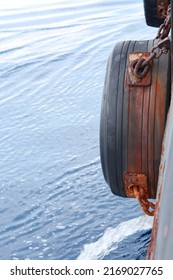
x,y
113,236
76,170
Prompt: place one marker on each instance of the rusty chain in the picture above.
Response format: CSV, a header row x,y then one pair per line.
x,y
136,185
140,195
141,67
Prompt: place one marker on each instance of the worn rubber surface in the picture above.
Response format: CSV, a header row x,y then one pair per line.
x,y
151,15
132,125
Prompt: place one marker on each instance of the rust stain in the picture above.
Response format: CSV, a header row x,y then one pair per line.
x,y
162,6
146,118
133,179
136,185
152,245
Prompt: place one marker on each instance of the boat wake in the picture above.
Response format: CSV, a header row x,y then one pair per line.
x,y
113,236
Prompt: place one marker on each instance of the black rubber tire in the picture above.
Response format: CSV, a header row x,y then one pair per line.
x,y
114,135
151,16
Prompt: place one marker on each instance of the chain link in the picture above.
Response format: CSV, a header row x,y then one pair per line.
x,y
141,67
140,195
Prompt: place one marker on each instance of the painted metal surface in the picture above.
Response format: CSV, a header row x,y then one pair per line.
x,y
161,246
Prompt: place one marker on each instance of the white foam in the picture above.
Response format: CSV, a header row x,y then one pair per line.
x,y
113,236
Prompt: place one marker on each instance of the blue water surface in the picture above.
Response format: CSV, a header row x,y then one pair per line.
x,y
54,202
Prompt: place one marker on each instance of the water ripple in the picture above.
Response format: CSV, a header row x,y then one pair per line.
x,y
53,57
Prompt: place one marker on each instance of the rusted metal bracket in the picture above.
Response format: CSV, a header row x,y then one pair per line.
x,y
136,186
134,179
162,6
132,79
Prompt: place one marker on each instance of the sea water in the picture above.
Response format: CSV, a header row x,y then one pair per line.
x,y
54,202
